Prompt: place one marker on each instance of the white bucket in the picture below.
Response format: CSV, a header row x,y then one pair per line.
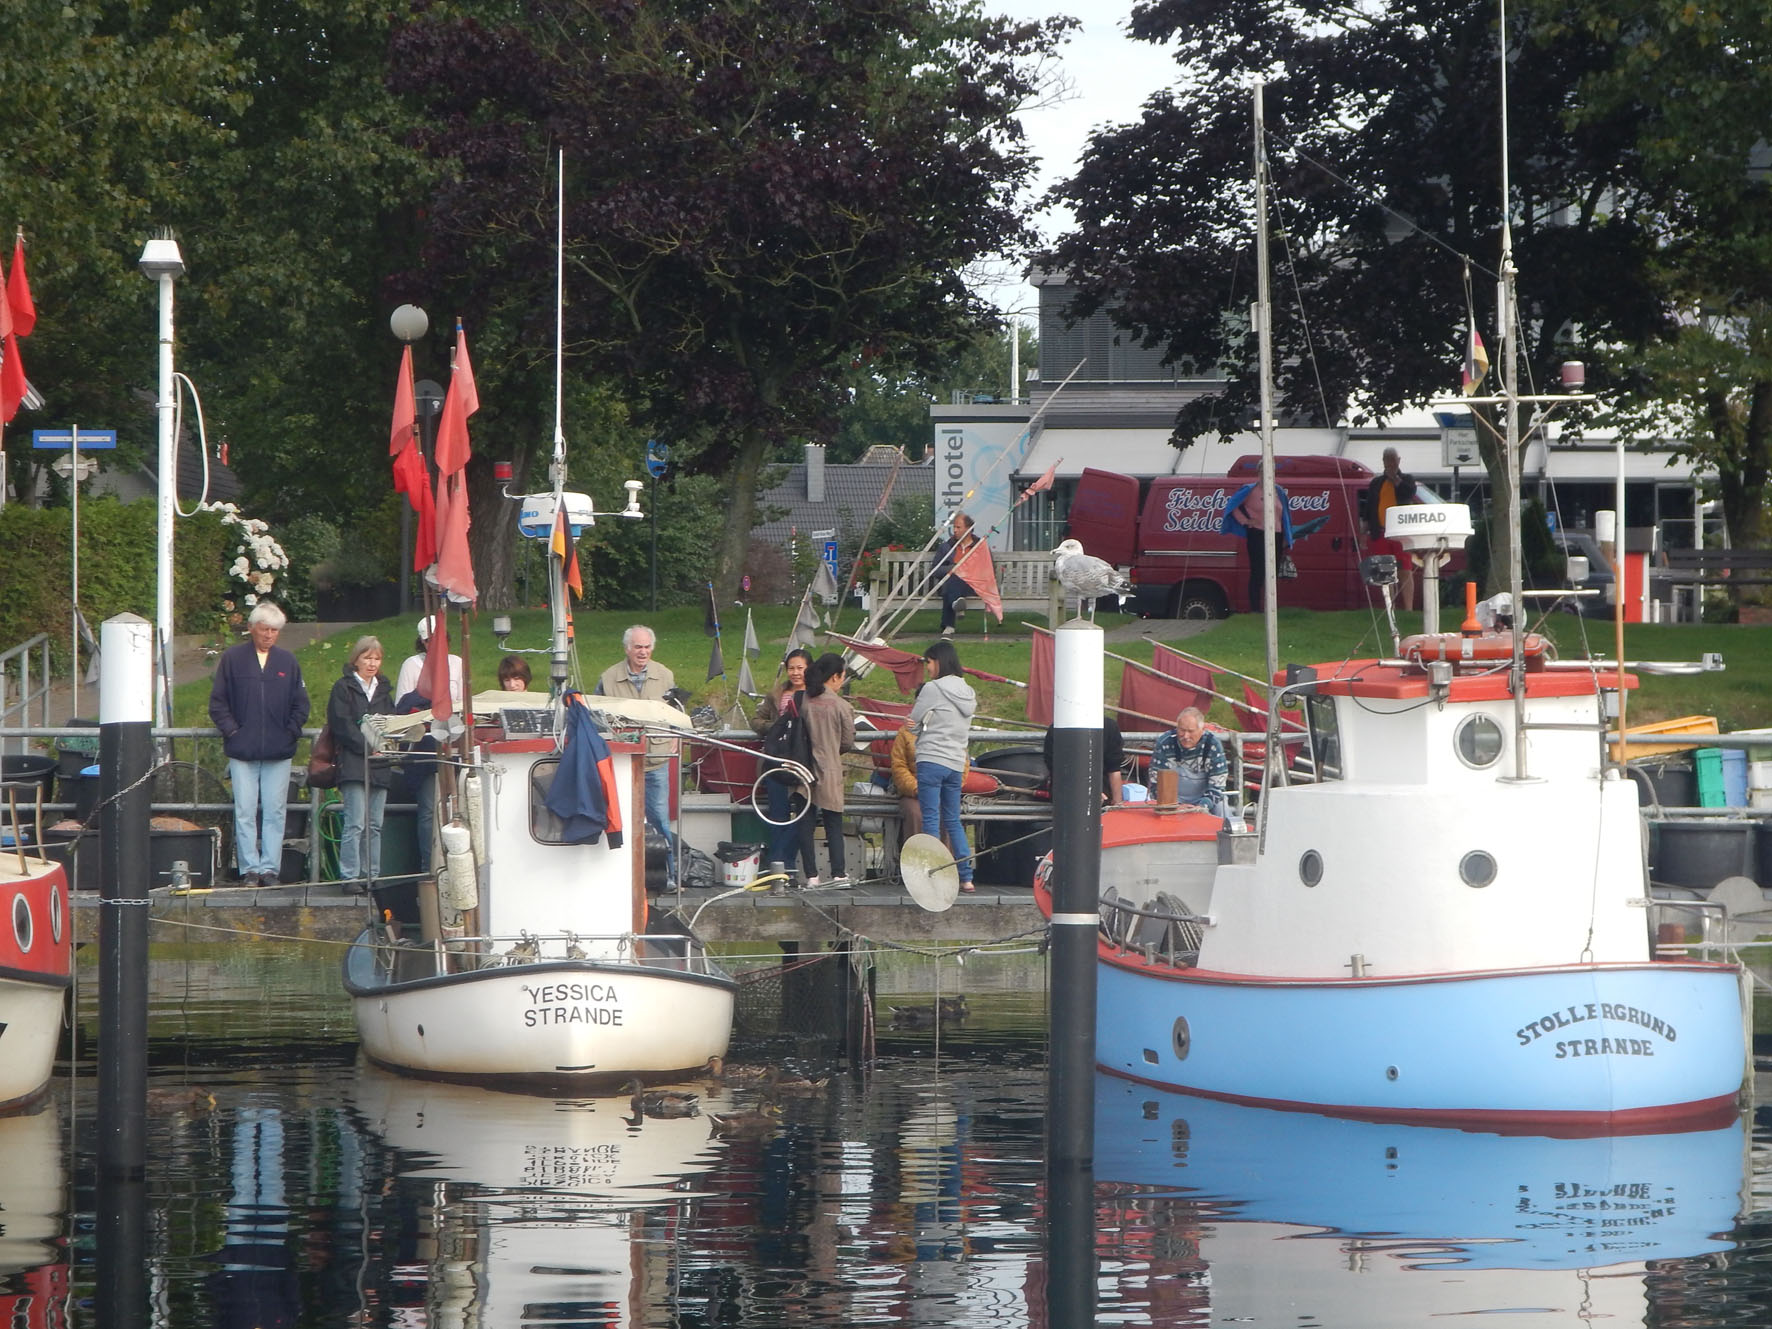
x,y
738,863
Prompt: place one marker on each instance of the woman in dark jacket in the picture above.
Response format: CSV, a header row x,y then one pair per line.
x,y
362,781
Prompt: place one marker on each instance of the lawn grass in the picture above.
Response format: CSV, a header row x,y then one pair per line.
x,y
1740,697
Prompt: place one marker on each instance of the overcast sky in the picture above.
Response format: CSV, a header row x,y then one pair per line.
x,y
1110,74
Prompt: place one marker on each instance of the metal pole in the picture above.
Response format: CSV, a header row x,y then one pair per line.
x,y
653,604
1076,846
126,710
168,494
1263,313
1078,655
74,621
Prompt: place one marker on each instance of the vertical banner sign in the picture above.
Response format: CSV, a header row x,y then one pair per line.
x,y
969,460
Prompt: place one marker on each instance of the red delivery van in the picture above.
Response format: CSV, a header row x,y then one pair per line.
x,y
1165,531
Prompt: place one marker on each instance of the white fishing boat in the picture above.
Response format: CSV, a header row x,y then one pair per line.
x,y
36,971
1441,911
532,956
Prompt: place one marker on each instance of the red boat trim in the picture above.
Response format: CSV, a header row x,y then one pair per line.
x,y
1699,1115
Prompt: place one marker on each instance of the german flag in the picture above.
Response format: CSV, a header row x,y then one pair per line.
x,y
566,548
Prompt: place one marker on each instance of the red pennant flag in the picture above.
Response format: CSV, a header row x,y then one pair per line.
x,y
1040,676
463,400
18,292
1044,482
975,568
566,549
433,679
455,568
405,430
410,479
12,378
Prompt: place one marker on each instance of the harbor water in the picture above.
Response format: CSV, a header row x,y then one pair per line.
x,y
291,1184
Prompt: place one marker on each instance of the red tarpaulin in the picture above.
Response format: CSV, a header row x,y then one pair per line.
x,y
1156,698
1168,661
905,666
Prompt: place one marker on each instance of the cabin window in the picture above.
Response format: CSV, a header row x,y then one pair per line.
x,y
544,826
1325,737
1477,868
22,930
1479,741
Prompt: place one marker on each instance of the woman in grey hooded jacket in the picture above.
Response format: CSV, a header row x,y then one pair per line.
x,y
943,719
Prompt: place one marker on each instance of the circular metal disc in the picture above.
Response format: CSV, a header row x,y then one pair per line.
x,y
929,873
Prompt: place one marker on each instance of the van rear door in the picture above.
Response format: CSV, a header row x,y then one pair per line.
x,y
1104,516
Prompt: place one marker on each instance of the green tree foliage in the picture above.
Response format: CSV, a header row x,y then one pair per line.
x,y
895,411
761,193
1383,152
1698,78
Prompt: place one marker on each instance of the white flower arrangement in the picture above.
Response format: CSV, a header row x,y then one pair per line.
x,y
257,560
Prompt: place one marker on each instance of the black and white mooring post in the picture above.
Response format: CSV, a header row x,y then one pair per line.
x,y
126,749
1076,885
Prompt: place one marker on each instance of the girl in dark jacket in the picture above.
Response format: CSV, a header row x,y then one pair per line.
x,y
362,781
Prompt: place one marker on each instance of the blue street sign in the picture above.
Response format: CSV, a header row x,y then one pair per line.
x,y
658,457
64,438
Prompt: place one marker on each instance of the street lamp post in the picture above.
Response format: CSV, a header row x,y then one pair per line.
x,y
161,262
409,323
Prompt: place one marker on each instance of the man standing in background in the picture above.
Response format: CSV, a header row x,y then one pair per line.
x,y
1390,487
259,703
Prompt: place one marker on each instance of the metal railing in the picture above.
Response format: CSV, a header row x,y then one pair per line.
x,y
18,691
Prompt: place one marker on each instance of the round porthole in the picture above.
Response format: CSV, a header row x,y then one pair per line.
x,y
1310,867
1479,741
22,929
55,915
1181,1038
1477,868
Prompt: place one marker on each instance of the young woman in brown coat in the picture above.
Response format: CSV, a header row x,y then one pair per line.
x,y
830,725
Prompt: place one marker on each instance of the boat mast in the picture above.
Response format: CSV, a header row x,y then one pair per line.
x,y
1510,406
1261,313
562,646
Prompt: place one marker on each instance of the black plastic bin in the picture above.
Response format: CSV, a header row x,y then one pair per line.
x,y
1005,853
30,775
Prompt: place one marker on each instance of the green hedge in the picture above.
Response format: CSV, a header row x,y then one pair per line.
x,y
117,571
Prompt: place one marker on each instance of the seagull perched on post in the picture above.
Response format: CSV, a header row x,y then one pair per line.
x,y
1086,577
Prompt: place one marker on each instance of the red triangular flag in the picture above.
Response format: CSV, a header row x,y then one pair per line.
x,y
462,401
410,479
12,378
18,292
433,679
455,568
405,430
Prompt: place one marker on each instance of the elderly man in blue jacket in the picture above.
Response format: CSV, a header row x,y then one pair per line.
x,y
259,703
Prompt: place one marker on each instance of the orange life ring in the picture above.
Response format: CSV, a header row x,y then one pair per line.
x,y
1484,648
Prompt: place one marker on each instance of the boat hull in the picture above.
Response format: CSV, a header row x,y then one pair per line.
x,y
36,972
1618,1045
558,1025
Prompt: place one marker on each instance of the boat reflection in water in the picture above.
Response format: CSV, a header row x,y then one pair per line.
x,y
547,1210
33,1219
1299,1218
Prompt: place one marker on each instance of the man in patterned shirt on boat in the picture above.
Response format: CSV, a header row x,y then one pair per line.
x,y
1197,757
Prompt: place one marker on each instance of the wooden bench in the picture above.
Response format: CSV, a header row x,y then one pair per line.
x,y
1024,579
1719,567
